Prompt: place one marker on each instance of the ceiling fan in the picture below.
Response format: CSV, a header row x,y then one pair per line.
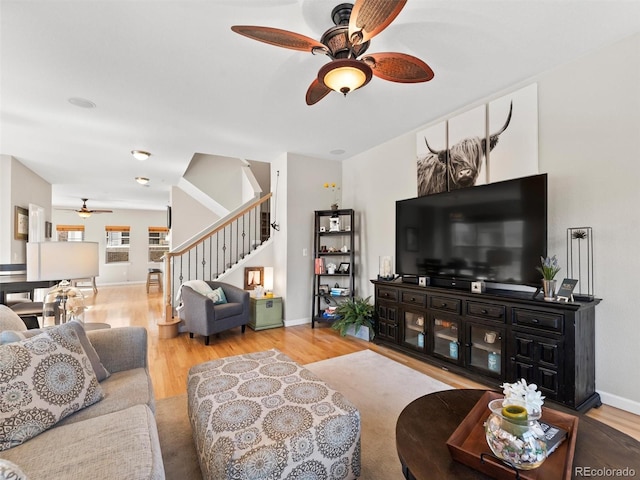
x,y
355,24
84,212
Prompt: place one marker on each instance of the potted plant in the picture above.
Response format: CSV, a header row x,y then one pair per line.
x,y
353,314
549,268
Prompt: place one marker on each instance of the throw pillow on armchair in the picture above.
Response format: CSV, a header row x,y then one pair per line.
x,y
217,296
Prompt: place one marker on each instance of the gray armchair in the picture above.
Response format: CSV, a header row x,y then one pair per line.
x,y
201,316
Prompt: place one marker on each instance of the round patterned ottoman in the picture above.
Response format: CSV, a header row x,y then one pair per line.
x,y
263,416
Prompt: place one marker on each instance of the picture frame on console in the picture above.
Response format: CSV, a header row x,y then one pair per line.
x,y
565,292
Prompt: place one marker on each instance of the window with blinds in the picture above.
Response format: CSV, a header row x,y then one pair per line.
x,y
70,233
158,244
117,244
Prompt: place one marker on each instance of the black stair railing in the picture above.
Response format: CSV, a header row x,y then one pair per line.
x,y
216,252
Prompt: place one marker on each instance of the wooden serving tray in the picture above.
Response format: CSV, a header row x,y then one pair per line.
x,y
468,442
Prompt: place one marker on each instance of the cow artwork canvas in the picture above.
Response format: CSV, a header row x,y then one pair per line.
x,y
432,166
467,139
471,143
516,155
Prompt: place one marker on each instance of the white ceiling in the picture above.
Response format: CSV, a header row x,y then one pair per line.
x,y
171,77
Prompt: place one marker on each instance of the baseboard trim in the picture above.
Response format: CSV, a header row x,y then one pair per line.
x,y
299,321
622,403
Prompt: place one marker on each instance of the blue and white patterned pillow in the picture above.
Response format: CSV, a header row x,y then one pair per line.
x,y
98,368
43,379
217,296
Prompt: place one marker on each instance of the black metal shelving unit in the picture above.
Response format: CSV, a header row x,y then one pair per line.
x,y
333,234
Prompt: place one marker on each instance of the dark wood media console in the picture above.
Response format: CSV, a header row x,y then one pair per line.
x,y
494,337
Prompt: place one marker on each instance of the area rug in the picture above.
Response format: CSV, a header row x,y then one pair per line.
x,y
378,386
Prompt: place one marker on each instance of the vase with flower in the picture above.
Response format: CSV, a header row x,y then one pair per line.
x,y
549,268
334,188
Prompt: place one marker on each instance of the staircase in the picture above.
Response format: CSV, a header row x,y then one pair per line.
x,y
218,250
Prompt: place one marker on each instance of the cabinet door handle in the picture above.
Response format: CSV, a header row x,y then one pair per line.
x,y
468,344
444,305
413,299
535,320
483,311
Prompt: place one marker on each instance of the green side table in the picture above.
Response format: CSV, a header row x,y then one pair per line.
x,y
266,313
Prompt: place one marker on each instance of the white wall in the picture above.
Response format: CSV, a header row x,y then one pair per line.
x,y
305,194
219,177
262,174
139,220
589,125
279,216
589,145
188,217
19,186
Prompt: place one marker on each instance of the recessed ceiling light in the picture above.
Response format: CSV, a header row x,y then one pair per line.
x,y
81,102
142,180
140,154
337,151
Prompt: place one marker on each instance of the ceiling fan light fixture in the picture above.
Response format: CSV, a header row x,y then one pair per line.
x,y
142,180
345,75
84,214
140,154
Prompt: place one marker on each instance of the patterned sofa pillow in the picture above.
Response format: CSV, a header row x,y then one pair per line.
x,y
101,372
43,379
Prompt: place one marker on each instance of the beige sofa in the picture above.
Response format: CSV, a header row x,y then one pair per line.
x,y
114,438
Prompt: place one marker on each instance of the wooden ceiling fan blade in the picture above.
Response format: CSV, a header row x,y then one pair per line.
x,y
316,92
370,17
398,67
101,211
279,38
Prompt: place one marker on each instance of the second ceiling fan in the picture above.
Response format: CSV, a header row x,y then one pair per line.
x,y
355,25
84,212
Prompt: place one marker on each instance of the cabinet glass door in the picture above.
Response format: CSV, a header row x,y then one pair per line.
x,y
486,349
414,330
446,340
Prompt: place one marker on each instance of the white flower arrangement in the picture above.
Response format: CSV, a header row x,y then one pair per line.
x,y
521,393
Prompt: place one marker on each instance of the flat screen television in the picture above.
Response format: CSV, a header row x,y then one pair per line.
x,y
495,232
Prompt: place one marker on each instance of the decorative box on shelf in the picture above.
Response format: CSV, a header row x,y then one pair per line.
x,y
468,445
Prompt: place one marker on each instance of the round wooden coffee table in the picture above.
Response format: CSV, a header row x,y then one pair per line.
x,y
425,425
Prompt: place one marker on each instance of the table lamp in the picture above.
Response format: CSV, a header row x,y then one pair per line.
x,y
268,281
62,261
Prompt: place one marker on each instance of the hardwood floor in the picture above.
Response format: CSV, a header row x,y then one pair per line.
x,y
170,359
